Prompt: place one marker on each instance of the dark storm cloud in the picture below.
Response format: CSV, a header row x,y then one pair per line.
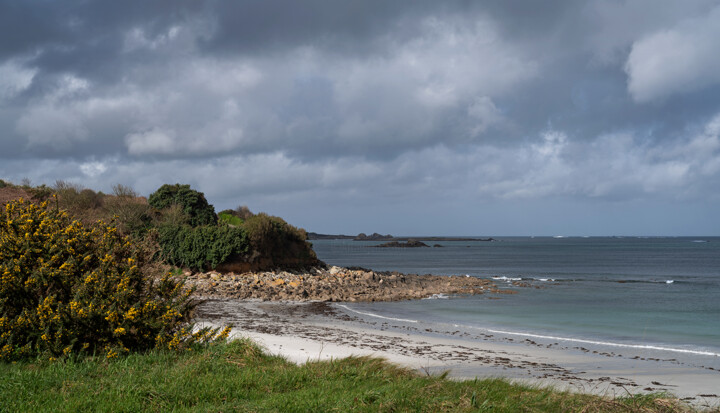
x,y
359,27
403,101
83,37
28,25
266,26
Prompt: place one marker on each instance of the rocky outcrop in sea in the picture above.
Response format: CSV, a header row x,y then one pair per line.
x,y
409,244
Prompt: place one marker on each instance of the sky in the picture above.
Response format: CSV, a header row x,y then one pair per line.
x,y
500,117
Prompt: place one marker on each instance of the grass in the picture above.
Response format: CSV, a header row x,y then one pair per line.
x,y
238,376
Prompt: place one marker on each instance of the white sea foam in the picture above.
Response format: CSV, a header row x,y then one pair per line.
x,y
376,315
669,281
602,343
546,279
504,278
439,296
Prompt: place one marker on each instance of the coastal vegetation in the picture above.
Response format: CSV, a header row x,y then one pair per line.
x,y
69,289
230,218
191,202
239,376
179,226
85,273
93,318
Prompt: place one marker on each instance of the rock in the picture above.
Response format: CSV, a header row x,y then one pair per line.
x,y
409,244
335,284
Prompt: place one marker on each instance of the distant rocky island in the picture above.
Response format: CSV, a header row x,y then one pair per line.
x,y
379,237
397,244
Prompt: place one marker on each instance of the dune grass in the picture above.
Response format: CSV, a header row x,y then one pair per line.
x,y
239,376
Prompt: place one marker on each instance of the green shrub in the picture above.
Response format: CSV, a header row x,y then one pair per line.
x,y
3,184
70,289
283,244
228,216
201,248
193,203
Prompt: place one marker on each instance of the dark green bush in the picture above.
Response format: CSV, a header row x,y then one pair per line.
x,y
3,184
70,289
201,248
193,203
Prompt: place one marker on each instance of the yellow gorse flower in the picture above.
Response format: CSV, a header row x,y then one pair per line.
x,y
132,314
73,273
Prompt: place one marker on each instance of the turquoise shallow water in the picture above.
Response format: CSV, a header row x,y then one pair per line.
x,y
655,292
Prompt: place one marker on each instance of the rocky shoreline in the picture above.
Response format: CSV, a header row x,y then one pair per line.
x,y
334,284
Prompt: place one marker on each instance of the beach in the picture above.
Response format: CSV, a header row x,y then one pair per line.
x,y
595,315
303,331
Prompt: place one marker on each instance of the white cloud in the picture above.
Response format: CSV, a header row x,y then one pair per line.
x,y
680,59
14,78
180,102
613,26
136,38
455,64
67,86
93,169
208,139
53,125
154,141
554,165
69,114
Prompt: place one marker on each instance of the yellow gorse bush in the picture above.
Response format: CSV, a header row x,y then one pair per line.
x,y
70,289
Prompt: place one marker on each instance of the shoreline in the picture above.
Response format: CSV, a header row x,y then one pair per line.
x,y
336,284
302,331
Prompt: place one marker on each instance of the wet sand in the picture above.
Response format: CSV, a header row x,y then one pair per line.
x,y
317,330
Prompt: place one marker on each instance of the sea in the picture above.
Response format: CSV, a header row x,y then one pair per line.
x,y
659,294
